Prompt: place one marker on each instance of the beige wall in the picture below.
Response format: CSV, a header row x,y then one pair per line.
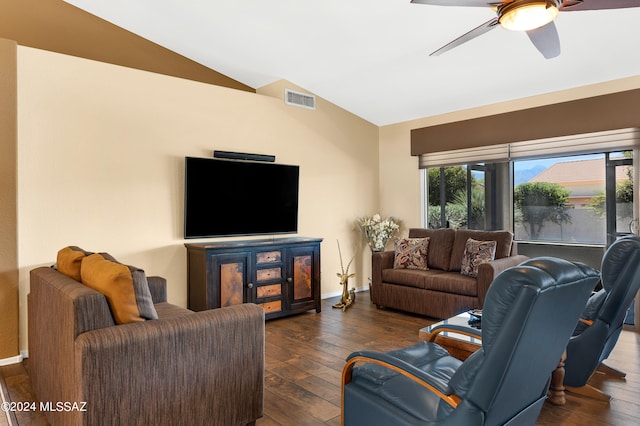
x,y
8,235
100,163
399,177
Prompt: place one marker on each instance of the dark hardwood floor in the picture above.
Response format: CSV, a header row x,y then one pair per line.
x,y
305,355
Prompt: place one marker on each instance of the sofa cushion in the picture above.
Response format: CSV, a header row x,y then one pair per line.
x,y
410,253
68,261
125,288
409,277
169,310
433,279
452,282
440,244
504,240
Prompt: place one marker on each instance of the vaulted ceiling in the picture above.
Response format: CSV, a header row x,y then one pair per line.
x,y
371,57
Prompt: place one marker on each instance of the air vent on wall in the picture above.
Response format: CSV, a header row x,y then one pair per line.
x,y
299,99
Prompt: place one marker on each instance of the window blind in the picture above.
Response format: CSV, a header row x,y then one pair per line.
x,y
590,143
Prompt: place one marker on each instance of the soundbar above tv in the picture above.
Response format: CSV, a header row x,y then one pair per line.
x,y
233,197
230,155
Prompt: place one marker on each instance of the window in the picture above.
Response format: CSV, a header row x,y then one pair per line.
x,y
475,196
447,205
619,193
552,199
581,199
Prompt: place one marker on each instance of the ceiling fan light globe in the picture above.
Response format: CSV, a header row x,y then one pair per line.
x,y
527,15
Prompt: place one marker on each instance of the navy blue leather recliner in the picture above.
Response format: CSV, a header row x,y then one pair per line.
x,y
529,314
603,317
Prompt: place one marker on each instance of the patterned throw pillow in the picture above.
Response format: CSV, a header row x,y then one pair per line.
x,y
125,288
475,253
411,253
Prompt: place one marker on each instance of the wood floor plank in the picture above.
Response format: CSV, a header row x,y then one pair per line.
x,y
283,412
315,406
304,356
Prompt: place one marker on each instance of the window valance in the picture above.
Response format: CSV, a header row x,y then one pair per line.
x,y
591,143
497,135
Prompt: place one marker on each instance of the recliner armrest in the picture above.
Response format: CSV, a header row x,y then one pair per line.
x,y
435,384
455,328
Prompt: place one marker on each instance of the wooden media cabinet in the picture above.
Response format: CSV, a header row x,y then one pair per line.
x,y
281,274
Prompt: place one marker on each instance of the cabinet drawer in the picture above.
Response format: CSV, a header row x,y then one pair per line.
x,y
268,256
274,306
268,274
269,290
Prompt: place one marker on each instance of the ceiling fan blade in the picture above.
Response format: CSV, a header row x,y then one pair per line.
x,y
574,6
478,31
463,3
546,40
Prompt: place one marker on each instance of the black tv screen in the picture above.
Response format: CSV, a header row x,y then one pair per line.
x,y
232,197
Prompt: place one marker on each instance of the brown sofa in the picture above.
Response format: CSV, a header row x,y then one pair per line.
x,y
441,291
204,368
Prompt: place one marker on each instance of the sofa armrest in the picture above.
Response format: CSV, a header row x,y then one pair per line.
x,y
205,365
488,271
59,310
158,289
379,261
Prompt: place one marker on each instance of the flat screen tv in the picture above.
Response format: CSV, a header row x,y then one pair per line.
x,y
233,197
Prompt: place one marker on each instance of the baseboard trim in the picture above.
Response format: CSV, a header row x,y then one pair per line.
x,y
339,293
13,360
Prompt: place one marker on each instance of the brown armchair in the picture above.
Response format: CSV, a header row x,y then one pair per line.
x,y
183,368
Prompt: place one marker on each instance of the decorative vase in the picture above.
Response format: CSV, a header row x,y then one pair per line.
x,y
377,249
377,230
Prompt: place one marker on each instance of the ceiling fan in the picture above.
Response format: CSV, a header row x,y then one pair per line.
x,y
533,16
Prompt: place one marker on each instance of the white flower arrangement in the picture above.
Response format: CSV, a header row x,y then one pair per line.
x,y
377,230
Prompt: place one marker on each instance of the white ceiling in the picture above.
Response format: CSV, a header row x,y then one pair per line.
x,y
371,57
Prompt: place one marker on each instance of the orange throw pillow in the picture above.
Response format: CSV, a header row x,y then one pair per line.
x,y
69,260
125,288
